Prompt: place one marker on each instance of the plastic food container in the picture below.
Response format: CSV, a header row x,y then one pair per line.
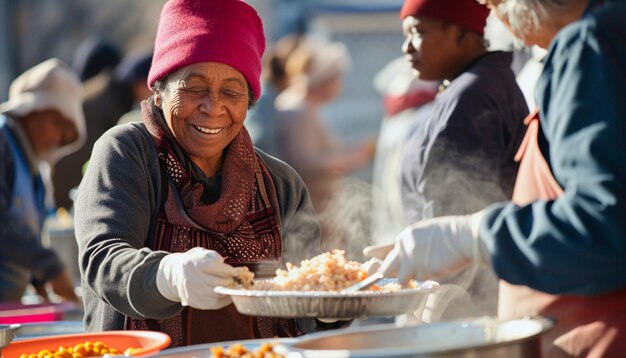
x,y
150,342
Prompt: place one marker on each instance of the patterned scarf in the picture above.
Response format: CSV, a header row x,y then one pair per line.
x,y
243,225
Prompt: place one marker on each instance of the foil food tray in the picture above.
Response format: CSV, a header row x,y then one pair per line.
x,y
361,304
486,337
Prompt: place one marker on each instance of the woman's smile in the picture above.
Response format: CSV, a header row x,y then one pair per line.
x,y
209,131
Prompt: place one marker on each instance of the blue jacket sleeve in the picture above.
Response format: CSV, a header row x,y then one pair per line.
x,y
576,243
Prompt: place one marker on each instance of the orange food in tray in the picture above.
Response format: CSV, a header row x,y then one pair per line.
x,y
86,349
266,350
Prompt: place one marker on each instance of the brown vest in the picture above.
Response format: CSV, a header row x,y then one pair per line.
x,y
586,326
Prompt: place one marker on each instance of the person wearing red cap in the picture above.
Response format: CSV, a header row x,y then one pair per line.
x,y
459,157
559,244
169,207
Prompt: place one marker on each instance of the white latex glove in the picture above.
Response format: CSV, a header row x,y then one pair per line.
x,y
433,248
372,265
189,278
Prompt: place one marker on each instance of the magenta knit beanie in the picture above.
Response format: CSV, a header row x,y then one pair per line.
x,y
193,31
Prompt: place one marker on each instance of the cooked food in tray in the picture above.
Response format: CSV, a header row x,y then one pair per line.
x,y
86,349
315,288
330,271
266,350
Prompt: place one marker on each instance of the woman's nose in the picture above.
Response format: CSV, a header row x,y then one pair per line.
x,y
212,103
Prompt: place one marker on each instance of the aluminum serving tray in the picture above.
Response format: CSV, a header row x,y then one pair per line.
x,y
361,304
486,337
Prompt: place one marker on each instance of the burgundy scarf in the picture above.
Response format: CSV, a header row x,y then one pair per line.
x,y
243,225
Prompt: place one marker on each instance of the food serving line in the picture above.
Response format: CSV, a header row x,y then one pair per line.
x,y
290,295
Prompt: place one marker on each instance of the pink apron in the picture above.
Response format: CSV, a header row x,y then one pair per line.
x,y
586,326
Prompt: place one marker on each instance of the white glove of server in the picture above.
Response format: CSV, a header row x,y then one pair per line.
x,y
433,248
190,277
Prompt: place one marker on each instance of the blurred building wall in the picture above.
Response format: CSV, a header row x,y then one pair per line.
x,y
53,28
34,30
7,65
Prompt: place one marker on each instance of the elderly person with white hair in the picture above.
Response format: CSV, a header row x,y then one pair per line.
x,y
41,122
560,245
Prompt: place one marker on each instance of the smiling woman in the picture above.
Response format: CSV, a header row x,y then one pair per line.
x,y
173,205
205,105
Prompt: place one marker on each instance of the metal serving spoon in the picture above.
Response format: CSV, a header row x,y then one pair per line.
x,y
363,285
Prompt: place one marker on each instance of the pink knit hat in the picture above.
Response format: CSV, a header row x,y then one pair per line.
x,y
224,31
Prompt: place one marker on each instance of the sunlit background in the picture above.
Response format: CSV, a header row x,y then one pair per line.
x,y
34,30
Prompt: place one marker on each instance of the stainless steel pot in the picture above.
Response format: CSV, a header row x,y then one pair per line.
x,y
7,333
484,337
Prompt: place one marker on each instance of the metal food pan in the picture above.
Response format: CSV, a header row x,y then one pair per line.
x,y
361,304
485,337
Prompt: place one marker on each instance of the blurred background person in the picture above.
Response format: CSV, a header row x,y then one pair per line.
x,y
263,119
316,69
41,122
105,99
405,99
93,56
460,156
134,70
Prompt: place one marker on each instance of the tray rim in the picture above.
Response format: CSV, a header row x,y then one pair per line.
x,y
425,287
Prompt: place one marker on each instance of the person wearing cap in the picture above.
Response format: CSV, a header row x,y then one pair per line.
x,y
133,71
94,56
169,207
559,245
41,122
459,156
315,70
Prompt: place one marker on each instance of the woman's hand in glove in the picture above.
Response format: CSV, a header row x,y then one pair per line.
x,y
433,248
190,277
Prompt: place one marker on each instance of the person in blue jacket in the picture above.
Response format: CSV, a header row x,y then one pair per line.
x,y
560,245
42,121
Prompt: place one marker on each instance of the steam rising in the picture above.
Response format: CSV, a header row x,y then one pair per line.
x,y
347,217
472,292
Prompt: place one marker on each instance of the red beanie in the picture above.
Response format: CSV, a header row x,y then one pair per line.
x,y
466,13
224,31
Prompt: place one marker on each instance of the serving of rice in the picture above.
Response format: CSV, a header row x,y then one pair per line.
x,y
330,271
